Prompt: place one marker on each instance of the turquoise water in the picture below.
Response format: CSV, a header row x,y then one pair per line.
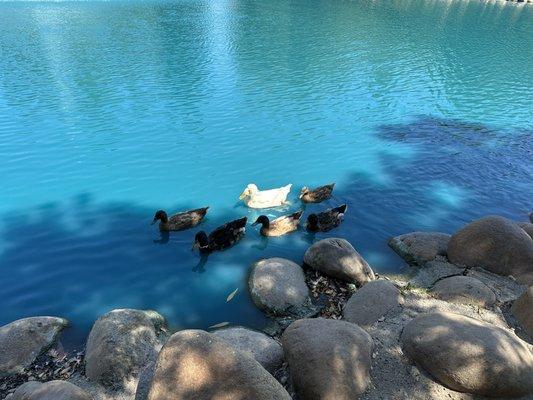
x,y
421,111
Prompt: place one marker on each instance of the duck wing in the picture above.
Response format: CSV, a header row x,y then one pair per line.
x,y
331,218
286,223
226,235
187,219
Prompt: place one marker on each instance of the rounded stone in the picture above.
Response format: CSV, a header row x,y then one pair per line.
x,y
417,248
22,341
464,290
328,359
265,350
470,356
52,390
195,364
277,286
337,258
522,309
120,343
496,244
371,302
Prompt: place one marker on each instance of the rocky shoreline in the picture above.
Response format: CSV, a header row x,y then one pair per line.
x,y
459,326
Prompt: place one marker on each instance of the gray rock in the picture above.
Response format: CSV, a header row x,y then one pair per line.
x,y
527,227
278,287
470,356
371,302
265,350
417,248
496,244
464,290
522,309
505,288
432,272
197,365
337,258
120,343
52,390
328,359
22,341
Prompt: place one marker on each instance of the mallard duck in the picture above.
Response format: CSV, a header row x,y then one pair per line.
x,y
326,220
222,237
255,198
180,221
316,195
280,226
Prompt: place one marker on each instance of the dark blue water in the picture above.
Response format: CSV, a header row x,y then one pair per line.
x,y
421,111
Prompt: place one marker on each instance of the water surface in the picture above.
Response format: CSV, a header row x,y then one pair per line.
x,y
420,111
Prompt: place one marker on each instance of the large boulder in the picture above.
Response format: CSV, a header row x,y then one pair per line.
x,y
278,287
196,365
265,350
470,356
52,390
337,258
371,302
120,343
527,227
496,244
417,248
328,359
522,309
22,341
464,290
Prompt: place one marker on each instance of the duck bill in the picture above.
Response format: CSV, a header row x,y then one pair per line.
x,y
153,222
242,196
255,223
195,246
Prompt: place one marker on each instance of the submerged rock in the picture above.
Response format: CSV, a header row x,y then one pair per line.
x,y
278,287
417,248
371,302
496,244
470,356
22,341
328,359
197,365
120,343
52,390
522,309
464,290
265,350
337,258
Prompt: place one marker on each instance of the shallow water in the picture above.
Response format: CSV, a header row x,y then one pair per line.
x,y
420,111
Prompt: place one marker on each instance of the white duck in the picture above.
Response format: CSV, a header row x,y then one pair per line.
x,y
255,198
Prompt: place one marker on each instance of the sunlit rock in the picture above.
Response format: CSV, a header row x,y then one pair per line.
x,y
464,290
278,287
120,343
265,350
23,340
469,355
52,390
195,364
523,310
337,258
417,248
496,244
371,302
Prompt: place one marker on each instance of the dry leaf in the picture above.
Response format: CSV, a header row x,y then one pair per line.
x,y
218,325
231,295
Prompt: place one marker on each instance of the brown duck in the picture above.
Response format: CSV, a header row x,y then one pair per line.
x,y
316,195
326,220
279,226
180,221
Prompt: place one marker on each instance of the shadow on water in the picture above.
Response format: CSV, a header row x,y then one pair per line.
x,y
81,258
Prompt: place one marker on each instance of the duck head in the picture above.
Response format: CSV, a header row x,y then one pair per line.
x,y
312,222
201,241
160,216
249,191
263,220
303,192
